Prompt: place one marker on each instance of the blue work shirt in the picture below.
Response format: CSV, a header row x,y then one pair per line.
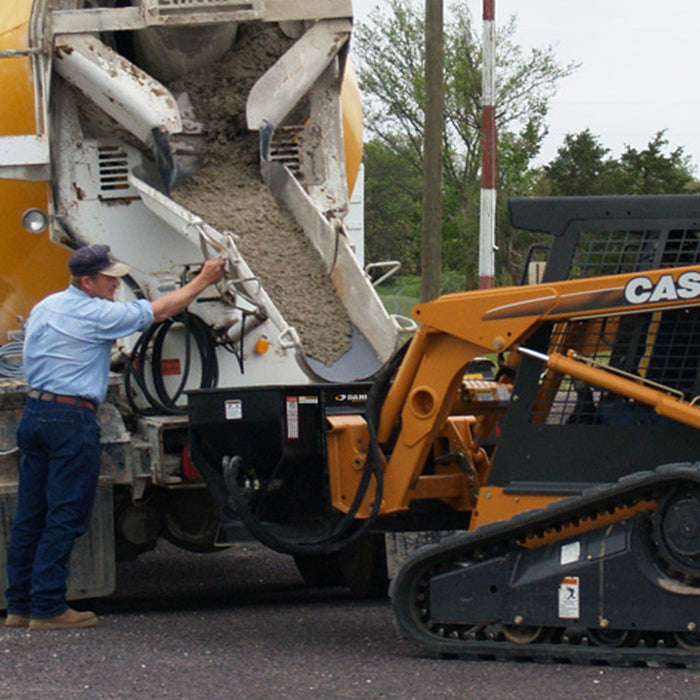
x,y
68,341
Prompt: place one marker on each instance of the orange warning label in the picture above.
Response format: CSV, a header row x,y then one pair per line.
x,y
170,367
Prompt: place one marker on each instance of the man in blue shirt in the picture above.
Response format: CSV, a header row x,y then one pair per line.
x,y
67,349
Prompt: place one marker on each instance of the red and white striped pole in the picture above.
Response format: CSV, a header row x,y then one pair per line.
x,y
487,218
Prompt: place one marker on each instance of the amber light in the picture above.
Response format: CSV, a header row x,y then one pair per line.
x,y
262,345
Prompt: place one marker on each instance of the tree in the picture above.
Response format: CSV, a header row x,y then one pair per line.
x,y
651,171
395,212
391,52
580,167
584,167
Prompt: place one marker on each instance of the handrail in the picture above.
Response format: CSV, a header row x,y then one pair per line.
x,y
15,53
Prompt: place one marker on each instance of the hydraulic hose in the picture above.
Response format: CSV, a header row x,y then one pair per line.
x,y
11,360
346,530
146,363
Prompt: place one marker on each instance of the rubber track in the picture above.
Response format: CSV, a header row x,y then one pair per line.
x,y
493,539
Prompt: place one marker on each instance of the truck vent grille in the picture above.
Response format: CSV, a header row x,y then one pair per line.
x,y
285,148
114,171
297,147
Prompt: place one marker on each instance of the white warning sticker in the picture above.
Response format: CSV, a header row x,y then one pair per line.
x,y
503,393
308,400
569,598
292,418
233,409
570,553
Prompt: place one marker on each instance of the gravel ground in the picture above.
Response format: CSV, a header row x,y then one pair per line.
x,y
241,624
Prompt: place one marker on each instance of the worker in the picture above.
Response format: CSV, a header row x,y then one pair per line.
x,y
67,350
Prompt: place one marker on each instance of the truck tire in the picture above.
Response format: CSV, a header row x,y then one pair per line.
x,y
363,565
320,570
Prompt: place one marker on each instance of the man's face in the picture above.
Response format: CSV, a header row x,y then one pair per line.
x,y
101,286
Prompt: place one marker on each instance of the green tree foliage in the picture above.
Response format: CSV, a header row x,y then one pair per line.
x,y
390,49
652,171
391,74
580,168
392,208
584,167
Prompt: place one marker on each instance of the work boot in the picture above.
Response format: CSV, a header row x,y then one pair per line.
x,y
17,620
68,620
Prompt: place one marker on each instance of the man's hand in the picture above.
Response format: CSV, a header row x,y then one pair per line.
x,y
175,302
212,271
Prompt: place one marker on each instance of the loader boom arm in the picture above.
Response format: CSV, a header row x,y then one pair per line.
x,y
459,327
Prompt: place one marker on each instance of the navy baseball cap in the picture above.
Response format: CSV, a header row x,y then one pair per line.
x,y
94,259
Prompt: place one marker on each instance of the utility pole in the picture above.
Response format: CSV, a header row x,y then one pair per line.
x,y
489,178
431,253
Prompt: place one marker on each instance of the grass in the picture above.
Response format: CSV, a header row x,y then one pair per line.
x,y
402,292
397,301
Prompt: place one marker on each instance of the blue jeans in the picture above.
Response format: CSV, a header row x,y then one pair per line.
x,y
58,475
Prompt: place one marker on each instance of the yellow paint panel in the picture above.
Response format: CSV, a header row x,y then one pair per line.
x,y
352,126
14,16
17,115
31,266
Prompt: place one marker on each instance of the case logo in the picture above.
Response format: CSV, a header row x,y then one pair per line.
x,y
641,290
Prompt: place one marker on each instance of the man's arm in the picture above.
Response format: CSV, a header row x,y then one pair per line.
x,y
176,301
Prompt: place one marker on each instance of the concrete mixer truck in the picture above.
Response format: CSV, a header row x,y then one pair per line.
x,y
176,130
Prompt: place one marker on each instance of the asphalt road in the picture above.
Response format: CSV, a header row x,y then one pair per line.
x,y
241,624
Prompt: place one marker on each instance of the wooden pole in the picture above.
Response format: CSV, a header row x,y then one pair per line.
x,y
431,253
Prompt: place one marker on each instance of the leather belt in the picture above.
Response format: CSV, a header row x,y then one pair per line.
x,y
62,398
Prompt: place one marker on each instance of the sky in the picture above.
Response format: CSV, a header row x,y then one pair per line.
x,y
639,67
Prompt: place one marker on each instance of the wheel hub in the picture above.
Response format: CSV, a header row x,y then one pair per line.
x,y
681,526
677,534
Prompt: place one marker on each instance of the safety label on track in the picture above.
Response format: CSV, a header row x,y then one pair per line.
x,y
569,598
570,553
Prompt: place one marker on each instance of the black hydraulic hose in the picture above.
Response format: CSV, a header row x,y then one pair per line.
x,y
152,341
195,329
341,537
346,530
135,369
157,360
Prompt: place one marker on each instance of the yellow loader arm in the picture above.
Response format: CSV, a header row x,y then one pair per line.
x,y
418,414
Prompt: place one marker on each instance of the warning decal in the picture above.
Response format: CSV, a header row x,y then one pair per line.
x,y
308,399
292,418
569,598
170,367
233,409
570,553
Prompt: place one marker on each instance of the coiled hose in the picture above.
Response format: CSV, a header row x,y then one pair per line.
x,y
347,529
10,366
145,363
